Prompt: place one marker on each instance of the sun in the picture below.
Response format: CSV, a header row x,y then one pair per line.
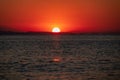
x,y
56,30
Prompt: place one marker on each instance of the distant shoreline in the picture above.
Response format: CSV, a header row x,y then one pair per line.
x,y
51,33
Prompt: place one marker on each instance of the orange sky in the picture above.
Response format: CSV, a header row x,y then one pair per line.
x,y
69,15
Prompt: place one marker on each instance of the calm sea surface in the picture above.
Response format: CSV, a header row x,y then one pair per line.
x,y
60,57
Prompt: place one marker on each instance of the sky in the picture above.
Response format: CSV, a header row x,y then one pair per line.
x,y
69,15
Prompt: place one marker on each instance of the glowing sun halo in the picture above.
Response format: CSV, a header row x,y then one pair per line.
x,y
56,29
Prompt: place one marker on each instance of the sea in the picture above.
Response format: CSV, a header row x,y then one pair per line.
x,y
59,57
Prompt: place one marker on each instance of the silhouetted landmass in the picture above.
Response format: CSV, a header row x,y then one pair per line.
x,y
51,33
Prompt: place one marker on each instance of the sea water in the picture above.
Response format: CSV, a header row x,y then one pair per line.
x,y
59,57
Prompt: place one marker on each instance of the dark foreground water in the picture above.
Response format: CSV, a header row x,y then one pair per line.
x,y
60,57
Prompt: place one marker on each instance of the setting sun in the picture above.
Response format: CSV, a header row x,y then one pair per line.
x,y
56,29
